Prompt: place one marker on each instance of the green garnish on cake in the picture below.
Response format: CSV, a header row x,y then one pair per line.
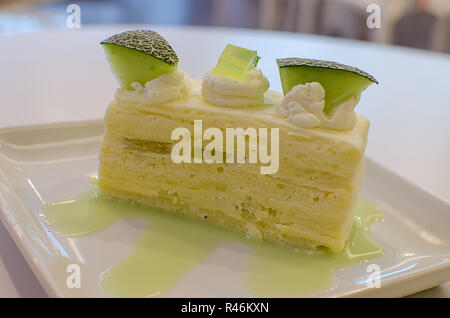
x,y
235,62
341,82
139,56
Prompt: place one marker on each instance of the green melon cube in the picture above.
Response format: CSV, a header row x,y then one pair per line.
x,y
235,62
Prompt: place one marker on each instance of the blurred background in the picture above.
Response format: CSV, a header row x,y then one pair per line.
x,y
421,24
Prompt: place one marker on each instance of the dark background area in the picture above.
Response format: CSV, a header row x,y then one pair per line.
x,y
422,24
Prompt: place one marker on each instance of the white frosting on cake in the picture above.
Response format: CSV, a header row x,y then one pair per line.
x,y
303,105
166,88
222,91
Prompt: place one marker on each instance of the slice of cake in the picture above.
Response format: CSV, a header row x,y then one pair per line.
x,y
225,149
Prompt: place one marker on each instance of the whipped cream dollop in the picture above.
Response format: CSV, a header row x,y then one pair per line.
x,y
303,106
165,88
222,91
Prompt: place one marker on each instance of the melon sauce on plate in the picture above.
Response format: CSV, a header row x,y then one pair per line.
x,y
298,225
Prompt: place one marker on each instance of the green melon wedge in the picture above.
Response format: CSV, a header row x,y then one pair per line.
x,y
341,82
235,62
139,56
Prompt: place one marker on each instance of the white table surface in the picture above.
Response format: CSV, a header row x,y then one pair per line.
x,y
409,111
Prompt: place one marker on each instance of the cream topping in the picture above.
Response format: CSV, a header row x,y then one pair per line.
x,y
222,91
165,88
303,106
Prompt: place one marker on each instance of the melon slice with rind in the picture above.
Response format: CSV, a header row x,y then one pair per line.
x,y
341,82
139,56
235,62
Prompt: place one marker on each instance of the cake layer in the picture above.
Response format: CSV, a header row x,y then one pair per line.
x,y
309,201
263,204
336,152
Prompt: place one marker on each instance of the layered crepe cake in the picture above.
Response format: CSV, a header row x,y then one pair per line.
x,y
303,197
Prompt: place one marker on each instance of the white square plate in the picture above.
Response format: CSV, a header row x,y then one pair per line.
x,y
48,163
